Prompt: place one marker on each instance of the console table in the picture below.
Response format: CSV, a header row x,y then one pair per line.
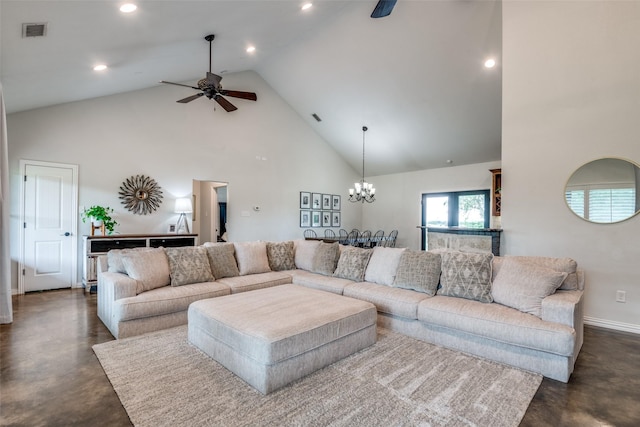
x,y
475,239
95,246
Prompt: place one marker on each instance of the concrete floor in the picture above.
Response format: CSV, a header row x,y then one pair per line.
x,y
49,375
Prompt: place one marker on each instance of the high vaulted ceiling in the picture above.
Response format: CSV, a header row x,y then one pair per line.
x,y
415,78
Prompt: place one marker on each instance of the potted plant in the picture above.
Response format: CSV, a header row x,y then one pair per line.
x,y
100,215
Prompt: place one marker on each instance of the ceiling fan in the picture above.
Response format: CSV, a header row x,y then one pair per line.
x,y
383,8
211,88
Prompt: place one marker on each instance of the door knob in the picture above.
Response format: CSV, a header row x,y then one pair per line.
x,y
66,234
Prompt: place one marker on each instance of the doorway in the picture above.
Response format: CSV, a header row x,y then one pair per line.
x,y
209,210
48,243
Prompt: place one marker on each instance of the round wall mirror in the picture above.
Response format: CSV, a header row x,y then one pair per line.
x,y
604,191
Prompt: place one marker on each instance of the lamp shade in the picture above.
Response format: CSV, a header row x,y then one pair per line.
x,y
183,205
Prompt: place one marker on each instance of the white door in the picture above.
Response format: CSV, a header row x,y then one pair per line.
x,y
49,257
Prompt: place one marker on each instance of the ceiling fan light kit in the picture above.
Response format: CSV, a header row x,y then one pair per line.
x,y
363,191
212,89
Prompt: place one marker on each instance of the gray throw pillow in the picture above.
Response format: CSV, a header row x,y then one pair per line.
x,y
326,258
222,260
466,275
419,270
149,268
353,263
280,255
188,265
523,286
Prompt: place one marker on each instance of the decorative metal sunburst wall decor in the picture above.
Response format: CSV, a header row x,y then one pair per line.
x,y
140,194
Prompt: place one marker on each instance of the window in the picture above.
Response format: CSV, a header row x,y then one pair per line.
x,y
466,209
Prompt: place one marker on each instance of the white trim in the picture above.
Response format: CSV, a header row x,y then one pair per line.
x,y
74,220
611,324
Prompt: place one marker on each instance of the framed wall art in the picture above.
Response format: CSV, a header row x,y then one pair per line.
x,y
305,218
316,218
335,219
326,218
326,202
316,201
305,200
335,202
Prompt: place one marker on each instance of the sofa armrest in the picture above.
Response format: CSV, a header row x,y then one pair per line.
x,y
563,307
117,285
103,264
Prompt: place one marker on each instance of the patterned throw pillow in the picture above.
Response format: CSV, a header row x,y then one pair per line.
x,y
353,263
280,256
383,265
149,268
252,257
419,270
326,258
222,260
523,286
466,275
188,265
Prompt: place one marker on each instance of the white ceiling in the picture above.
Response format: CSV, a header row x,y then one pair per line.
x,y
415,78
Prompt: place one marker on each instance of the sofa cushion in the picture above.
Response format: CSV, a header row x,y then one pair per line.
x,y
523,286
321,282
325,258
188,264
222,259
256,281
566,265
497,322
114,259
383,265
395,301
419,270
166,300
353,263
281,256
149,268
466,275
304,252
252,257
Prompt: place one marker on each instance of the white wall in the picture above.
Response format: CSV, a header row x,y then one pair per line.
x,y
571,91
264,150
399,197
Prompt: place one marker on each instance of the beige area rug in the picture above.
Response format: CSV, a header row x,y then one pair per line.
x,y
162,380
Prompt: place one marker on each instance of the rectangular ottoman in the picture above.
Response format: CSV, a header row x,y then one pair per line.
x,y
271,337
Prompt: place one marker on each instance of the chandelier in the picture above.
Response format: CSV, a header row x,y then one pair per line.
x,y
363,191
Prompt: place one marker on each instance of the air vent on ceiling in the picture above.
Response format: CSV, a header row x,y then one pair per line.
x,y
34,30
315,116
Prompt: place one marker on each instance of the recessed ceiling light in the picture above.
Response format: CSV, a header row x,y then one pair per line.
x,y
306,6
251,49
490,63
100,67
128,8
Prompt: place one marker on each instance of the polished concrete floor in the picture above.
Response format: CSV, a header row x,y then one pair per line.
x,y
49,375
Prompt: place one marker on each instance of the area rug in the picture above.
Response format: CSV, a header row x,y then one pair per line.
x,y
162,380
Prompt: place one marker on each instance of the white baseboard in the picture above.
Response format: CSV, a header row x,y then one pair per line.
x,y
611,324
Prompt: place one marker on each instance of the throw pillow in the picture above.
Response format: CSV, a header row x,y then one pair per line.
x,y
252,257
149,268
222,260
419,270
466,275
326,258
566,265
188,265
304,253
280,256
523,286
353,263
114,259
383,265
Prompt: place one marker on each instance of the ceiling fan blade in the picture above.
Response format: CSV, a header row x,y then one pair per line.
x,y
240,94
179,84
214,79
190,98
225,104
383,8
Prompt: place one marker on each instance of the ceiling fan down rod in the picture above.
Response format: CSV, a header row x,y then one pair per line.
x,y
210,38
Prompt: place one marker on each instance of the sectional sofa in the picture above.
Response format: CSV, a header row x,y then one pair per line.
x,y
523,311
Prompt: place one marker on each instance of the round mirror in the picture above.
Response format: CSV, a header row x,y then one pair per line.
x,y
604,190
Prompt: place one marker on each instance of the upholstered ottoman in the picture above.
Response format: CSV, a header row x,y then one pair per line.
x,y
271,337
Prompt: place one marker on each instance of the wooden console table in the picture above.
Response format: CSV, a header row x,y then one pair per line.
x,y
94,246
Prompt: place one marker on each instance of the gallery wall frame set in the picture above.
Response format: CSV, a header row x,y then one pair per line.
x,y
319,209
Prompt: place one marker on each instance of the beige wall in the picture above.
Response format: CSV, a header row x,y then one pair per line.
x,y
571,91
265,151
